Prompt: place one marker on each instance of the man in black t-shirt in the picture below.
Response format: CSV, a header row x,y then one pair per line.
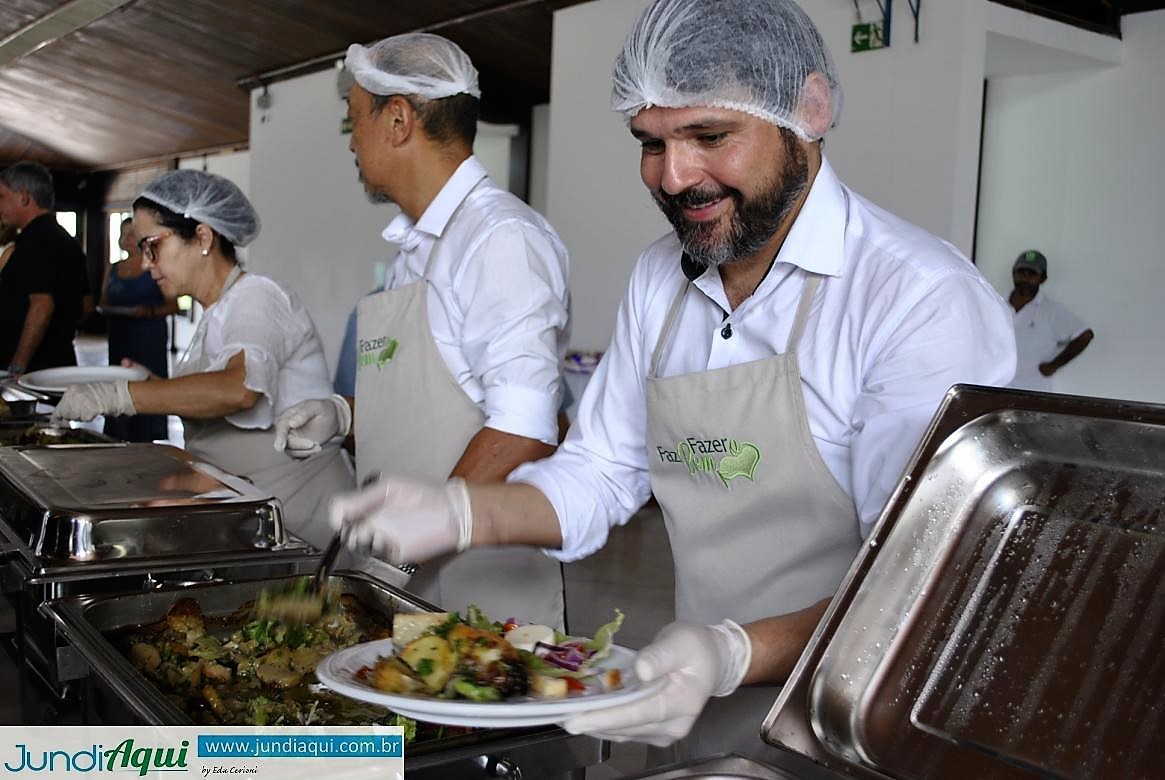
x,y
44,285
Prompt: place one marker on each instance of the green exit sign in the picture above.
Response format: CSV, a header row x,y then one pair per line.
x,y
866,37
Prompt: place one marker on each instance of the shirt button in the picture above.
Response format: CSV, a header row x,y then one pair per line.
x,y
726,331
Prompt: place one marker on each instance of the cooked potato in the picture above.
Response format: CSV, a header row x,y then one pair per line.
x,y
407,626
391,675
145,656
432,659
548,687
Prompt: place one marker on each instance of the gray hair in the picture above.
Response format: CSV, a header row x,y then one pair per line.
x,y
33,178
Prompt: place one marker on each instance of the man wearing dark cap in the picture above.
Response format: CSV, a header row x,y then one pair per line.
x,y
1047,334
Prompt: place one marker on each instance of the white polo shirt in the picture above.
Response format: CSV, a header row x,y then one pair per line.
x,y
1043,328
498,298
900,317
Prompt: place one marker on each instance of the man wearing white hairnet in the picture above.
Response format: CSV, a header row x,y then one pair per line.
x,y
774,363
459,358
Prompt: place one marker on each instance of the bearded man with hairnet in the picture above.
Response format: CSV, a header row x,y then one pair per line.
x,y
459,358
774,363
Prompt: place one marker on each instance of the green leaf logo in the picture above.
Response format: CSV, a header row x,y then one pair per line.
x,y
387,353
741,463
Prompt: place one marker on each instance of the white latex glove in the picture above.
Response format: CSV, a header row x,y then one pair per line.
x,y
698,662
303,429
400,519
86,401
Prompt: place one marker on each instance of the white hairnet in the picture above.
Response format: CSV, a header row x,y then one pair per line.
x,y
746,55
413,64
205,197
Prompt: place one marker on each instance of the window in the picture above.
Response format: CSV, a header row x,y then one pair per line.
x,y
115,218
68,220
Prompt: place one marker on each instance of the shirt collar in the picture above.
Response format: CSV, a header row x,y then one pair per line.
x,y
814,243
402,230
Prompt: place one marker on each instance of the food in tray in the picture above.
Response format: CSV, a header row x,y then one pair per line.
x,y
241,670
442,655
297,601
42,436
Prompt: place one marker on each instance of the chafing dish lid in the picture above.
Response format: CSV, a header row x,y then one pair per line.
x,y
131,476
130,504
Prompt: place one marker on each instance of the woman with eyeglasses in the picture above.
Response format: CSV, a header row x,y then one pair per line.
x,y
254,353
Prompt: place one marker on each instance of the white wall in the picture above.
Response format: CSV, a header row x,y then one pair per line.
x,y
1073,166
235,166
321,235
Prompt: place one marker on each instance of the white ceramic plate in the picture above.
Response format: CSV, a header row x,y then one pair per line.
x,y
58,380
339,672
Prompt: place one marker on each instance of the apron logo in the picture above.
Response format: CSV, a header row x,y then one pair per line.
x,y
738,459
376,352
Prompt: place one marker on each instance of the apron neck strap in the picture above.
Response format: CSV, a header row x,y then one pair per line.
x,y
668,322
807,292
232,277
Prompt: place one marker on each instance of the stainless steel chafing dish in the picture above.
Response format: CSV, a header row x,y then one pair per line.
x,y
117,694
1006,617
96,518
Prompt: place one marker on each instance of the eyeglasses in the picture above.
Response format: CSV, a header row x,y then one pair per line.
x,y
148,245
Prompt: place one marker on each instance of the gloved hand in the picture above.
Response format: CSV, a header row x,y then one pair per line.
x,y
86,401
301,430
698,662
400,519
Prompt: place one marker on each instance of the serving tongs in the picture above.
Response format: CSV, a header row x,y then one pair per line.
x,y
302,602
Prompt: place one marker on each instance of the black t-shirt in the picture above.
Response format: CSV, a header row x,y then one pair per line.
x,y
46,259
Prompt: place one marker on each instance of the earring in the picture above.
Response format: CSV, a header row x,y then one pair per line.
x,y
205,252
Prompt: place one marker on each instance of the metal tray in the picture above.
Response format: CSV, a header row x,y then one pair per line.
x,y
1006,617
86,508
120,695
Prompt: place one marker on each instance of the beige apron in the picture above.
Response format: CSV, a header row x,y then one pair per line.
x,y
412,418
758,524
302,486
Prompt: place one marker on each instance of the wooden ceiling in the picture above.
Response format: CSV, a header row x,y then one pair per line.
x,y
159,78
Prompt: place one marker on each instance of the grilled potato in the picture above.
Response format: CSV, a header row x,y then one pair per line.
x,y
407,626
392,675
432,659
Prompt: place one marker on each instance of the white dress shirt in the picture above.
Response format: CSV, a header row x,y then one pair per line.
x,y
899,318
1043,328
498,298
283,354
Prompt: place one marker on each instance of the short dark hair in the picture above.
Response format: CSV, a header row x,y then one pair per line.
x,y
33,178
185,227
445,120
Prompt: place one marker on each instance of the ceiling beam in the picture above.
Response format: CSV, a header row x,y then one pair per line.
x,y
53,26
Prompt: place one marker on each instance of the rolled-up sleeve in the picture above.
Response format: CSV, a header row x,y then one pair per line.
x,y
599,477
261,324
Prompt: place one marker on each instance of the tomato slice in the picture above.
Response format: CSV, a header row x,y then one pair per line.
x,y
574,685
